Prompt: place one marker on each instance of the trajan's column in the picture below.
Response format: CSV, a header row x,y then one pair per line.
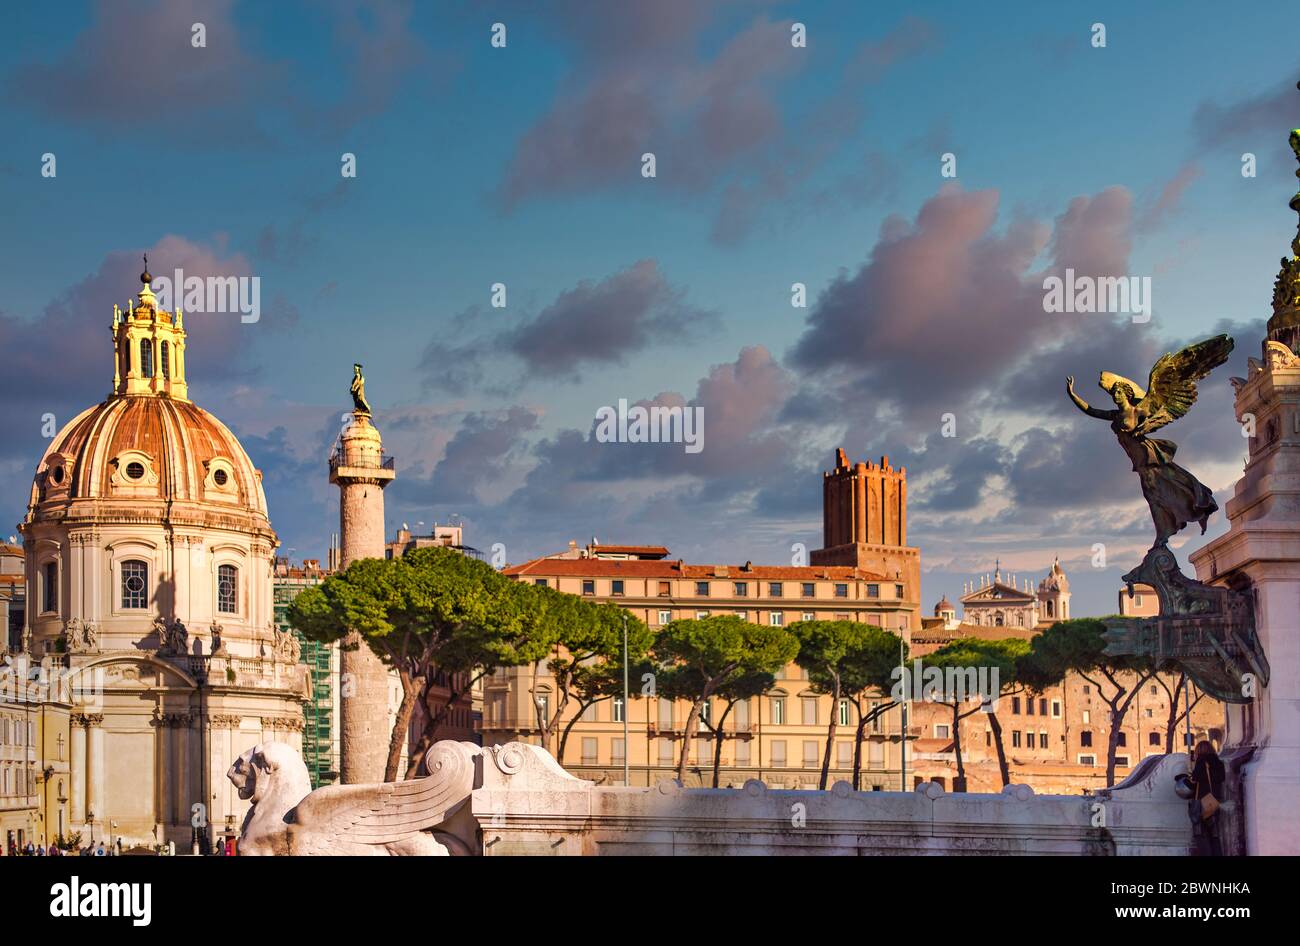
x,y
361,471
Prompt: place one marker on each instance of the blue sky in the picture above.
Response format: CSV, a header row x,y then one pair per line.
x,y
775,165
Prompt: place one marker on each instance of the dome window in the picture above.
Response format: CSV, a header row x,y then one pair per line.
x,y
135,470
146,358
164,359
220,477
135,584
56,475
228,589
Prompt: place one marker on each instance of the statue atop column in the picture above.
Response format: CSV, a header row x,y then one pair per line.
x,y
361,406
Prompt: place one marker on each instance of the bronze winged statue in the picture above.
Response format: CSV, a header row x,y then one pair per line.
x,y
358,391
1174,495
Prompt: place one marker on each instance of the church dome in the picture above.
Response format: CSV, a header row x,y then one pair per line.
x,y
147,441
139,447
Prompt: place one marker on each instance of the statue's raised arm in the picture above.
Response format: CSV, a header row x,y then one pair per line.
x,y
1083,405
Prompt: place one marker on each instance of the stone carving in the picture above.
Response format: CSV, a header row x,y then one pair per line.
x,y
287,648
218,645
225,721
173,638
82,637
391,818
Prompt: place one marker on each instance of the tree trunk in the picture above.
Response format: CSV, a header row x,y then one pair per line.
x,y
1002,750
1172,725
956,745
568,728
857,747
692,721
718,736
830,734
411,688
436,716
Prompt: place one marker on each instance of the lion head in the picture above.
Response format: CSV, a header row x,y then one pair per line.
x,y
270,768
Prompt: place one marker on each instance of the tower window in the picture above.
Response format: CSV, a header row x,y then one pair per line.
x,y
135,582
135,470
50,601
227,589
164,357
146,358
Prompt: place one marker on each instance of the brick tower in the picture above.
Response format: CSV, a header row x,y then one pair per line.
x,y
864,522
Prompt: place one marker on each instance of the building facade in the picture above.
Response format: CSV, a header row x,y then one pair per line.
x,y
148,554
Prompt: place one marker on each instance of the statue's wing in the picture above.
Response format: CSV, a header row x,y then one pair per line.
x,y
389,811
1171,392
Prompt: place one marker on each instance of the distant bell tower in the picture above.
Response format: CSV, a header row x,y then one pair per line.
x,y
361,471
864,522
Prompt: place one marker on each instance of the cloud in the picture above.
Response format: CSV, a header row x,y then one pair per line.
x,y
595,323
1171,196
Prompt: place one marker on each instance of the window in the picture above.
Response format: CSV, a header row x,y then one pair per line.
x,y
706,712
809,616
809,589
776,618
701,615
1121,760
227,589
1087,760
588,750
1085,738
1042,707
50,601
810,759
898,591
616,751
778,752
1154,691
1153,739
742,752
843,753
135,584
842,591
778,710
1015,738
1015,706
1122,739
941,731
873,591
146,358
702,589
808,707
1029,706
1056,709
742,589
1087,716
743,615
135,470
164,357
665,617
588,586
665,589
844,712
539,582
774,589
616,586
665,751
1042,739
618,709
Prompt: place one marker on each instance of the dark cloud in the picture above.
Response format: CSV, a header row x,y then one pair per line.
x,y
592,324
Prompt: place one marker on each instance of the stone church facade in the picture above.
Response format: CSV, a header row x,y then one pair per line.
x,y
149,580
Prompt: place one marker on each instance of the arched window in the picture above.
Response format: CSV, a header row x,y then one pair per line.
x,y
227,589
1049,609
135,584
50,598
164,357
146,358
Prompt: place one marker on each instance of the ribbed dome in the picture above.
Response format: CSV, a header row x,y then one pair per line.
x,y
138,447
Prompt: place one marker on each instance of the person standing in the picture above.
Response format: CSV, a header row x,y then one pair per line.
x,y
1207,777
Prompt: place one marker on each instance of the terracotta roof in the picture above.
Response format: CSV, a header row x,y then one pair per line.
x,y
932,745
633,568
656,550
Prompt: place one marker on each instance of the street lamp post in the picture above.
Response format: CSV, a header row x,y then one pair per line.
x,y
626,706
